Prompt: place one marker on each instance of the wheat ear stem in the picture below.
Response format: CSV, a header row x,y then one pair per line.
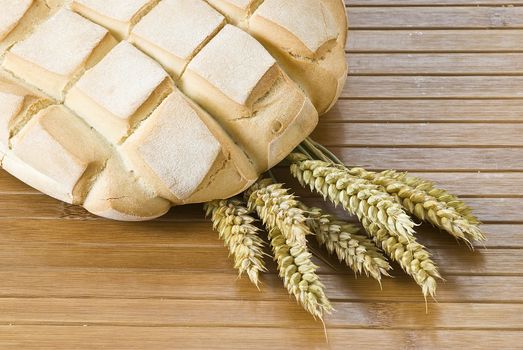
x,y
413,258
415,182
358,196
299,274
341,238
235,226
438,193
278,208
283,217
426,207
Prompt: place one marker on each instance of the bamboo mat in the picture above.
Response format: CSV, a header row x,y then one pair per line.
x,y
435,88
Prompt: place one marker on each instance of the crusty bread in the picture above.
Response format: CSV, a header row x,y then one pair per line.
x,y
12,13
130,107
307,37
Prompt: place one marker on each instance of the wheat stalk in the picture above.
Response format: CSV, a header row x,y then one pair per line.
x,y
420,203
235,226
278,208
441,195
342,239
413,258
299,274
286,222
404,249
358,196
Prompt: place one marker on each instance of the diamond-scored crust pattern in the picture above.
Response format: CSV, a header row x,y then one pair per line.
x,y
133,108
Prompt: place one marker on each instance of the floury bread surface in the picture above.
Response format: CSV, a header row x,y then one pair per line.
x,y
130,107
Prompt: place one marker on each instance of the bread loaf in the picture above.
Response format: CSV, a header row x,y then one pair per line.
x,y
131,107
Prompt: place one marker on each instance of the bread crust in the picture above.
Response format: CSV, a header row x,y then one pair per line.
x,y
129,123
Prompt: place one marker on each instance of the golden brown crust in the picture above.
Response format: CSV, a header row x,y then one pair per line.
x,y
137,135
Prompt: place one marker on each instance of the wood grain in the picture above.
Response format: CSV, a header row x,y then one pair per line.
x,y
427,110
435,63
134,284
457,87
152,338
435,40
236,313
454,260
436,17
384,3
422,135
434,159
435,88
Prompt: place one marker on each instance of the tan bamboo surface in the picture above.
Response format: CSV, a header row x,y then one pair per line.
x,y
435,88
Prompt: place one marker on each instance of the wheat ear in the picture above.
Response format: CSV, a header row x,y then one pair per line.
x,y
286,221
440,194
341,238
278,208
413,258
318,151
358,196
235,226
299,274
426,207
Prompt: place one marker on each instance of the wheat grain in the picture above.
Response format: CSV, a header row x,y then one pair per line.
x,y
357,196
235,226
299,274
413,258
286,222
311,147
278,208
438,193
423,205
342,239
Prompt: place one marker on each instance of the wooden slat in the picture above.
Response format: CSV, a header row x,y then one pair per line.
x,y
435,63
414,316
478,184
128,284
452,259
155,338
385,3
417,110
497,209
433,87
436,17
489,261
108,233
440,159
178,235
209,259
394,135
11,185
425,40
257,313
